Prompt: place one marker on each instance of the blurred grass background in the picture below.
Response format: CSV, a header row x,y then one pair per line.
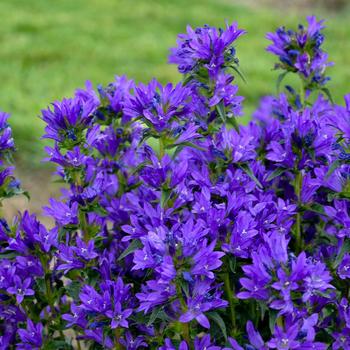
x,y
50,47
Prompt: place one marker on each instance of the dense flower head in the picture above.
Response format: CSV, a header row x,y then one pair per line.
x,y
207,45
300,51
67,119
180,229
158,106
6,140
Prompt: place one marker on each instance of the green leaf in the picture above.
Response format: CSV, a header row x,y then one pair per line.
x,y
73,289
247,169
316,208
9,255
56,345
220,107
232,264
26,194
219,321
99,210
235,68
140,167
233,122
184,288
134,245
154,315
147,134
58,181
184,144
275,173
328,94
166,193
280,79
334,166
40,283
323,294
272,319
187,80
344,249
263,308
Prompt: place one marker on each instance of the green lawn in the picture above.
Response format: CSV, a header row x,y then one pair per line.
x,y
50,47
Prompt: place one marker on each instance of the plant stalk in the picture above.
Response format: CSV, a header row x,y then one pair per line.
x,y
298,236
118,346
231,299
161,148
185,326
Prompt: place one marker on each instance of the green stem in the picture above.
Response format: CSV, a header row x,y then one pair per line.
x,y
302,93
185,326
161,148
186,333
231,299
84,226
279,322
44,262
118,346
78,341
48,291
298,236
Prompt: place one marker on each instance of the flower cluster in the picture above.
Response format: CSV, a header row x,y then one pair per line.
x,y
180,229
301,52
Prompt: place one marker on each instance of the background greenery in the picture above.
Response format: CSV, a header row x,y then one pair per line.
x,y
50,47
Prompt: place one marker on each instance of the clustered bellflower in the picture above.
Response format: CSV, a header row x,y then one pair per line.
x,y
180,229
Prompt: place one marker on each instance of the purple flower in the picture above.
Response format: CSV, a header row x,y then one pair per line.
x,y
226,92
256,280
107,303
155,293
158,106
85,250
159,189
77,316
344,311
254,337
341,119
317,280
133,343
119,316
344,267
73,158
63,213
21,288
207,46
169,346
47,239
286,285
196,311
203,343
285,339
206,260
301,51
117,92
238,147
203,299
6,140
98,336
242,235
67,259
67,120
341,339
31,338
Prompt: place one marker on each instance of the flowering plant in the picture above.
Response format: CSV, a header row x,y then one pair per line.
x,y
178,228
